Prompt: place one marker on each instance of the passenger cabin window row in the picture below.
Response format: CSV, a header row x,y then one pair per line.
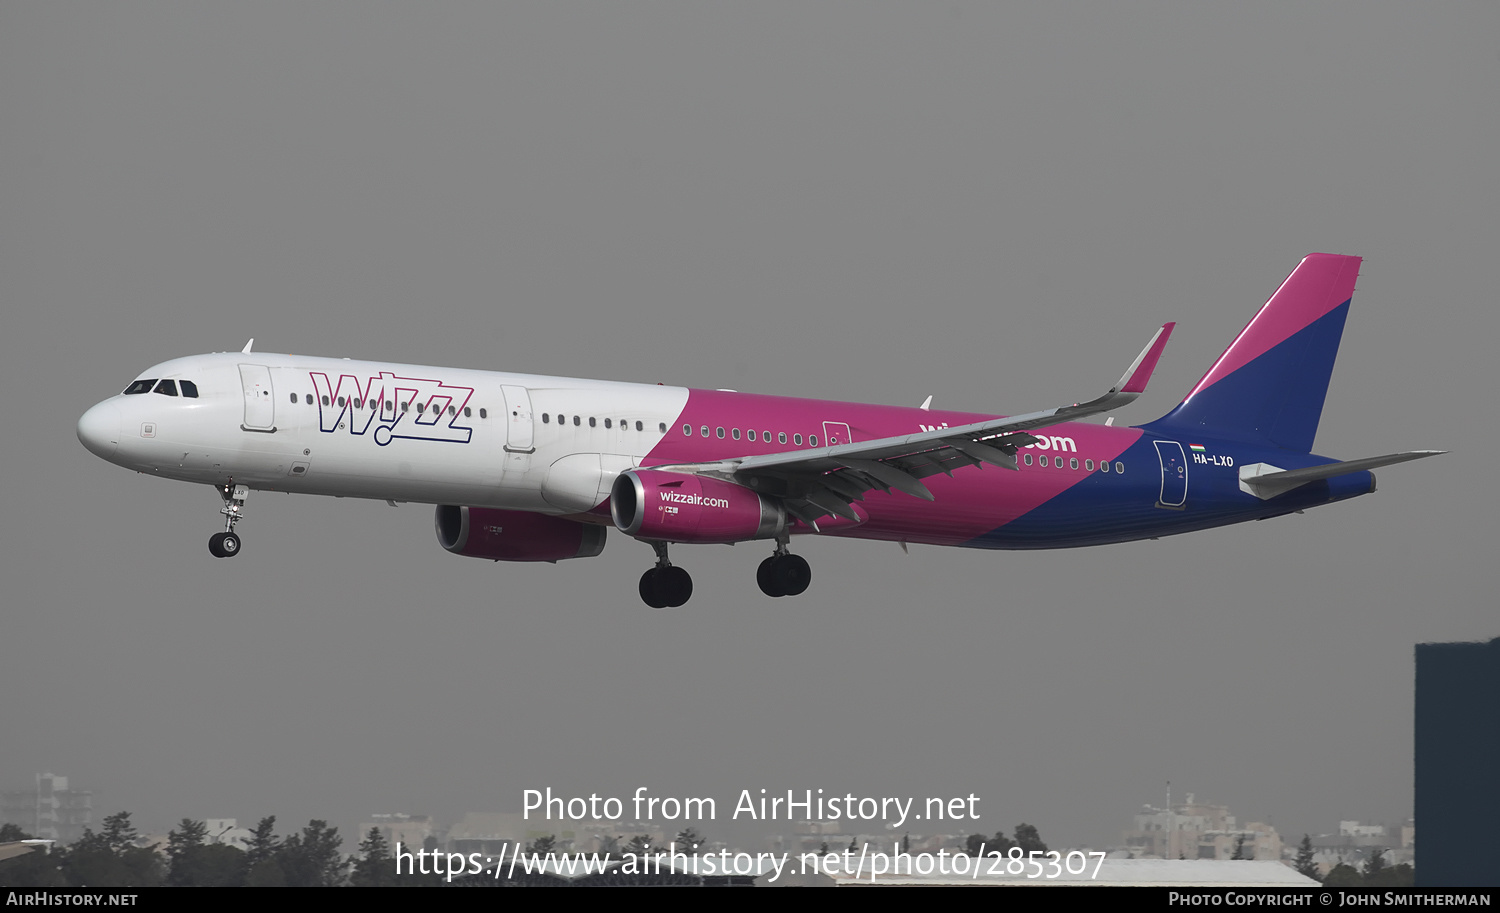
x,y
1071,463
380,404
547,417
624,424
750,435
166,387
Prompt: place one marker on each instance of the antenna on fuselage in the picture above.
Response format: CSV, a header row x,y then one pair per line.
x,y
248,344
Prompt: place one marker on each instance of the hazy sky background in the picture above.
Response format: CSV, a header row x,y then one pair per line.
x,y
994,204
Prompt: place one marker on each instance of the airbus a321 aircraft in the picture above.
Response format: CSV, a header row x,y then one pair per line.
x,y
530,468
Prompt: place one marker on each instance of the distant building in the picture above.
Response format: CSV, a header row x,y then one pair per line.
x,y
491,833
411,831
51,810
1193,830
228,832
1356,843
1457,756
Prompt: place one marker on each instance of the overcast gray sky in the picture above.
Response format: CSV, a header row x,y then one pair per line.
x,y
993,204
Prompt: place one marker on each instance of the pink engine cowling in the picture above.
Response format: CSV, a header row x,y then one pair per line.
x,y
681,507
515,535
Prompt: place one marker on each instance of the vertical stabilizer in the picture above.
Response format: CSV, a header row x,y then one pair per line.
x,y
1269,385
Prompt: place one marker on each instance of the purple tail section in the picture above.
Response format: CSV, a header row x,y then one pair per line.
x,y
1269,385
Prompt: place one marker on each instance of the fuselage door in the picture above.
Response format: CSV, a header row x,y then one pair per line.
x,y
836,433
518,428
1173,475
260,401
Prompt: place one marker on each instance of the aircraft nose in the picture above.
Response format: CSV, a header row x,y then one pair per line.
x,y
99,429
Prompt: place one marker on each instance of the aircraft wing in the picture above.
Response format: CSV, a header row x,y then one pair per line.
x,y
825,481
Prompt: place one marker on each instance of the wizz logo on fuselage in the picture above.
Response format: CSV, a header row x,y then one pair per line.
x,y
396,407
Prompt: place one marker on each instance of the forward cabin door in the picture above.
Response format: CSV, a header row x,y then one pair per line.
x,y
260,401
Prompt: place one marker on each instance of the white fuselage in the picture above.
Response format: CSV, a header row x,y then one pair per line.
x,y
386,431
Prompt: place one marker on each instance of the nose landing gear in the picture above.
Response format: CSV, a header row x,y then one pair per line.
x,y
227,544
666,585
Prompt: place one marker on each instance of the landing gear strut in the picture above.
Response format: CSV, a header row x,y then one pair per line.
x,y
666,585
783,574
227,543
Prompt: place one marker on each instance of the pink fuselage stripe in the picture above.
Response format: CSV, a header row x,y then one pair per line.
x,y
974,501
1319,284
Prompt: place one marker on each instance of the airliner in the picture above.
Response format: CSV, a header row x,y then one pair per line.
x,y
534,468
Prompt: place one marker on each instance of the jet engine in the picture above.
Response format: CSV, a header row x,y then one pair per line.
x,y
515,535
681,507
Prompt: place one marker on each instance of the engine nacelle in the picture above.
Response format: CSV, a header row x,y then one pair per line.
x,y
515,535
681,507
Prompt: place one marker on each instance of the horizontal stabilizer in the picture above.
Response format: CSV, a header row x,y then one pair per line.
x,y
1266,481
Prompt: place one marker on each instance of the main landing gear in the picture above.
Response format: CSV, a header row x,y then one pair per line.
x,y
665,586
783,574
227,543
668,586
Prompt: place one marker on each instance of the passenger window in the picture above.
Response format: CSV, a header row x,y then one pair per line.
x,y
705,431
720,432
190,389
1027,458
591,422
452,410
687,430
484,413
1104,465
468,412
812,440
1119,468
1089,465
140,386
781,438
606,423
797,439
750,435
577,421
1073,462
294,398
309,399
167,388
735,433
421,408
325,400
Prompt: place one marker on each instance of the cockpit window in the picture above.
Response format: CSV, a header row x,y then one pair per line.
x,y
140,386
167,387
189,389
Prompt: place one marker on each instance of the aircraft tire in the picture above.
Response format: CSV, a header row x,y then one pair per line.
x,y
791,574
649,590
766,578
224,545
674,586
